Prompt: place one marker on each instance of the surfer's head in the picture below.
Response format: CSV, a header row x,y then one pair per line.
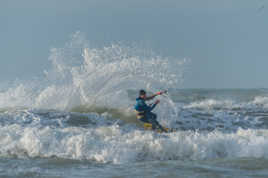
x,y
142,93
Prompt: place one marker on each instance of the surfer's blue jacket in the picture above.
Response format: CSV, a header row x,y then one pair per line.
x,y
141,106
144,113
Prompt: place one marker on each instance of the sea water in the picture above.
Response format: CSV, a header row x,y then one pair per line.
x,y
77,120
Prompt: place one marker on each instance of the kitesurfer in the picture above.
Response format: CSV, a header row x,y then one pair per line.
x,y
144,111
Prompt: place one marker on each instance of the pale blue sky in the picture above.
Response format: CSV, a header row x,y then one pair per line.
x,y
226,40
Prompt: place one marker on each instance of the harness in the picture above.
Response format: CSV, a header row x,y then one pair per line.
x,y
140,114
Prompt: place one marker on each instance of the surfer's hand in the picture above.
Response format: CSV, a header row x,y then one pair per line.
x,y
164,92
157,101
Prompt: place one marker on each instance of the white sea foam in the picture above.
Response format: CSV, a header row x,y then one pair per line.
x,y
256,103
261,101
112,144
211,103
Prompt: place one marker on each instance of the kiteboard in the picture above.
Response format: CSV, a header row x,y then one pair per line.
x,y
148,126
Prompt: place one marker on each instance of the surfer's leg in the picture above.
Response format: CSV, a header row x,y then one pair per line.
x,y
155,123
151,118
160,127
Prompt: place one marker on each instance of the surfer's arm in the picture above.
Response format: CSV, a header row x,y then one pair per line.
x,y
153,105
151,97
156,94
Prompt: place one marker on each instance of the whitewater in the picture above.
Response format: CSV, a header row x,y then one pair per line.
x,y
77,119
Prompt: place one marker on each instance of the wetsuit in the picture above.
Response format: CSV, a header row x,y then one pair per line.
x,y
144,113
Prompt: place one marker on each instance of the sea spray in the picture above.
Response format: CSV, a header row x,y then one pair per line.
x,y
98,77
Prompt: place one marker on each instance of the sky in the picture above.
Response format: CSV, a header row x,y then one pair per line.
x,y
227,41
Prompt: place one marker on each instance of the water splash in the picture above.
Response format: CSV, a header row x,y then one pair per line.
x,y
80,75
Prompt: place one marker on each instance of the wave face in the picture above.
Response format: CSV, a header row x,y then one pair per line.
x,y
93,137
81,109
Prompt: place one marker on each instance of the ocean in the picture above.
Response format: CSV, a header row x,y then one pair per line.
x,y
77,120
